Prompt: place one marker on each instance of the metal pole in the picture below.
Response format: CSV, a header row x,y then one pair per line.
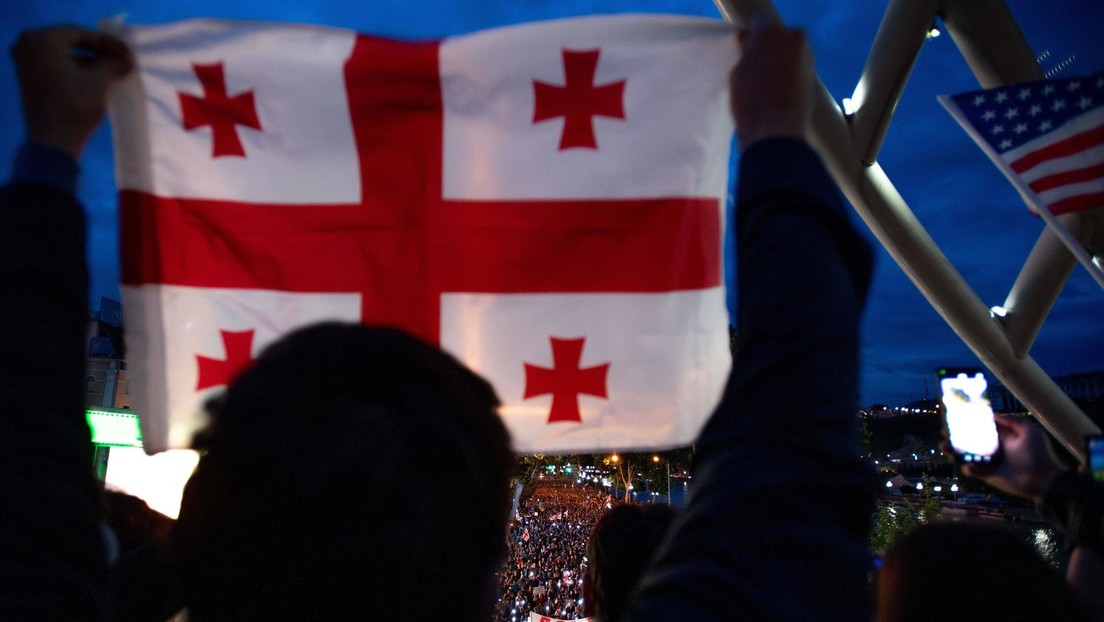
x,y
897,228
1041,279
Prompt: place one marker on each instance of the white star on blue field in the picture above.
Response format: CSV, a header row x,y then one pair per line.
x,y
958,195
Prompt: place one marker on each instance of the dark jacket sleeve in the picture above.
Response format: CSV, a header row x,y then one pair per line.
x,y
776,528
52,563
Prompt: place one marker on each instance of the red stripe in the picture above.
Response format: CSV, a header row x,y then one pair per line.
x,y
395,101
298,248
404,246
1077,203
376,248
536,246
1065,147
245,245
578,246
1064,178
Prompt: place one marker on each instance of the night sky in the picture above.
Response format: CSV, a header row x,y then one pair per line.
x,y
965,203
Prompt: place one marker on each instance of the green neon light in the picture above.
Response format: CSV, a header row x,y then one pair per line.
x,y
116,428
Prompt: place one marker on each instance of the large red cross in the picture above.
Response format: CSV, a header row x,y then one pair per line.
x,y
578,101
219,110
566,380
402,245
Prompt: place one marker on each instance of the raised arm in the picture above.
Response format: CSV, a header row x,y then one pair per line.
x,y
52,562
778,519
1072,501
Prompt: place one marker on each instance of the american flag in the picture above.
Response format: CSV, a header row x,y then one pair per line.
x,y
1047,137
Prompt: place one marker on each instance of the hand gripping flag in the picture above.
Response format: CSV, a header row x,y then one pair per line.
x,y
1047,137
544,201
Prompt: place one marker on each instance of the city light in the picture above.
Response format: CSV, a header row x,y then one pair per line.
x,y
158,480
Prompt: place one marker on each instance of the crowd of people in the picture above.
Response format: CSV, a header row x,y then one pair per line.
x,y
546,555
776,529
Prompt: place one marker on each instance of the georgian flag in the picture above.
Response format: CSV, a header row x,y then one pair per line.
x,y
544,201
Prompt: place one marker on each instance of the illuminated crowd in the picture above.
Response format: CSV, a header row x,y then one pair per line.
x,y
546,559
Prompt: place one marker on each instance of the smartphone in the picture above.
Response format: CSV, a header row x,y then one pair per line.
x,y
971,428
1094,449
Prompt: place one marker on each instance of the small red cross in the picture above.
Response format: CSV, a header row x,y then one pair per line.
x,y
578,100
239,353
566,380
219,110
401,246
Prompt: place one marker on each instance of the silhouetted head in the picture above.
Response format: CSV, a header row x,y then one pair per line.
x,y
621,544
350,471
955,571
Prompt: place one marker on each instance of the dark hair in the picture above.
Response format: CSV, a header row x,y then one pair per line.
x,y
350,471
621,544
968,572
132,520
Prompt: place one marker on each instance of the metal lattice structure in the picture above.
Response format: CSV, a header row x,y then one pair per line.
x,y
995,50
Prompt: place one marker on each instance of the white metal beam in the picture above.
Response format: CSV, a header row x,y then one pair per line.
x,y
998,54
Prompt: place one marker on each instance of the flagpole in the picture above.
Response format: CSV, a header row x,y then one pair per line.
x,y
1092,264
1042,278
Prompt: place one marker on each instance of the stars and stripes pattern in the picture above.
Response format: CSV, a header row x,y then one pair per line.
x,y
1047,137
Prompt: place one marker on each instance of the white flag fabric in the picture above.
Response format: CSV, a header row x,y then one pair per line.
x,y
494,150
545,201
304,150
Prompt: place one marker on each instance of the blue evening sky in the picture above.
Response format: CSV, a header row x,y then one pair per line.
x,y
964,202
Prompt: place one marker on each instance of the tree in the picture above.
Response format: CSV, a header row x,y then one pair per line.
x,y
891,519
527,468
646,469
622,470
865,437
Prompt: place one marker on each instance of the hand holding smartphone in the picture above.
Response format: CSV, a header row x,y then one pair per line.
x,y
971,429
